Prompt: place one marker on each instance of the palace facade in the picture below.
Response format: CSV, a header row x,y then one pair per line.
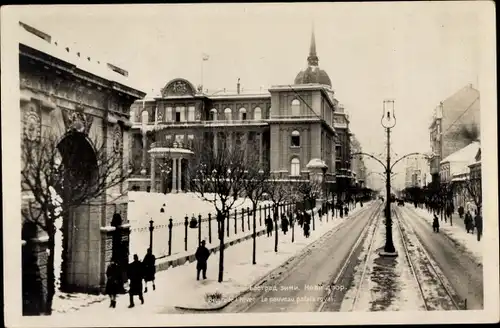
x,y
293,125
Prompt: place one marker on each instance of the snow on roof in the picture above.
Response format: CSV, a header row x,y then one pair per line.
x,y
466,154
52,47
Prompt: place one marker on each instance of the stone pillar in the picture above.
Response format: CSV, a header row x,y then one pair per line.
x,y
174,175
215,142
259,136
153,174
179,176
144,153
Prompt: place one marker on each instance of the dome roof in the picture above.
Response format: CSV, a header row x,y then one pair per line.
x,y
313,74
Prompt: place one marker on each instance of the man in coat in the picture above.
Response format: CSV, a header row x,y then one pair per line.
x,y
201,255
284,224
468,222
478,220
269,226
135,275
149,262
113,280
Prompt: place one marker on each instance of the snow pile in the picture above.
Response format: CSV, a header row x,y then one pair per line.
x,y
457,233
239,275
388,283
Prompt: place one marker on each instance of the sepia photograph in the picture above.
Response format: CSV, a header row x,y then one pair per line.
x,y
250,163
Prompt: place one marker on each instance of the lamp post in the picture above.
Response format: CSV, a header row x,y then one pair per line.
x,y
388,121
325,198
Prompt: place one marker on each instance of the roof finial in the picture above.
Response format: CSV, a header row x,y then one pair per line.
x,y
313,58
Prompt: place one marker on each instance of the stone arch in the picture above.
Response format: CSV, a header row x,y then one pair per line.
x,y
178,87
80,229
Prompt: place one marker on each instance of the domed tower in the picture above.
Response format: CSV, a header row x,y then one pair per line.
x,y
313,74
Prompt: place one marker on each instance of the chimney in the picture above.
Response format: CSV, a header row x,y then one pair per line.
x,y
238,86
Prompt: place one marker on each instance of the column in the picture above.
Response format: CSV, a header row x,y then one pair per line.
x,y
179,176
174,175
259,136
229,140
144,153
215,142
153,182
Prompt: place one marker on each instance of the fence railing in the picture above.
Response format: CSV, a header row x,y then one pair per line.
x,y
172,237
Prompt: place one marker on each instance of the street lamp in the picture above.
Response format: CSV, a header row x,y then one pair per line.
x,y
388,121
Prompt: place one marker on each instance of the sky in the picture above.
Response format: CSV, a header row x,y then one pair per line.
x,y
417,54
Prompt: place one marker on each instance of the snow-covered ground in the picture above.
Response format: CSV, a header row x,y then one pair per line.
x,y
178,286
388,283
457,233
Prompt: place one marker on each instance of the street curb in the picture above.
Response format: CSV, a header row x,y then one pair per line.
x,y
300,257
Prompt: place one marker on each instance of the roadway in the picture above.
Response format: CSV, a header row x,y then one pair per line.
x,y
463,273
302,286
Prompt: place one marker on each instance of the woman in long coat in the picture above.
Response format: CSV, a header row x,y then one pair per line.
x,y
113,282
149,262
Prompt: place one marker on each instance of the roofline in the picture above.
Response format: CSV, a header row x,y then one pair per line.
x,y
75,70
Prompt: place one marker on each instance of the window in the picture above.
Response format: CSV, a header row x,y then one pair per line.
x,y
190,141
338,151
191,112
243,114
337,166
179,139
178,114
295,107
145,116
213,114
295,139
257,113
227,114
168,114
295,167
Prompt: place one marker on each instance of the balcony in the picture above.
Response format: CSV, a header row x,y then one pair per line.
x,y
151,126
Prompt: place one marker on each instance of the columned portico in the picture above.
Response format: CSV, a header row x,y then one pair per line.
x,y
173,157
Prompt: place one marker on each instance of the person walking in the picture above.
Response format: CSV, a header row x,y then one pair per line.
x,y
461,212
149,262
306,229
346,211
269,226
202,254
284,224
435,224
135,275
468,222
478,221
112,282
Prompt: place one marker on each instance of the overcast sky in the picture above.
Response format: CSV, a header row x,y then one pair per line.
x,y
415,53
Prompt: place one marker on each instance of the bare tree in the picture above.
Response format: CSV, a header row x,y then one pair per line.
x,y
60,176
217,176
472,186
310,190
254,186
279,191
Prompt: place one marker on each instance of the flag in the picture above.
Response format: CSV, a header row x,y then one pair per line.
x,y
205,57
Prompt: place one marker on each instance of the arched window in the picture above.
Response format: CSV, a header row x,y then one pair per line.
x,y
295,139
213,114
243,114
295,167
227,114
295,107
257,113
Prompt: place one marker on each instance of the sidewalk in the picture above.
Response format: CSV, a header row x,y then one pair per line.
x,y
467,242
178,286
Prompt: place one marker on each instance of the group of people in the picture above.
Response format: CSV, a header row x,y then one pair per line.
x,y
137,272
471,222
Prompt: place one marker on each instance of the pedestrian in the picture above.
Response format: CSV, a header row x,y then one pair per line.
x,y
306,229
135,275
149,262
461,211
320,213
300,218
269,226
468,222
284,224
112,282
435,224
202,254
478,220
346,211
341,211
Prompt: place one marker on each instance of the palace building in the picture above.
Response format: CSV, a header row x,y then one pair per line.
x,y
296,127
